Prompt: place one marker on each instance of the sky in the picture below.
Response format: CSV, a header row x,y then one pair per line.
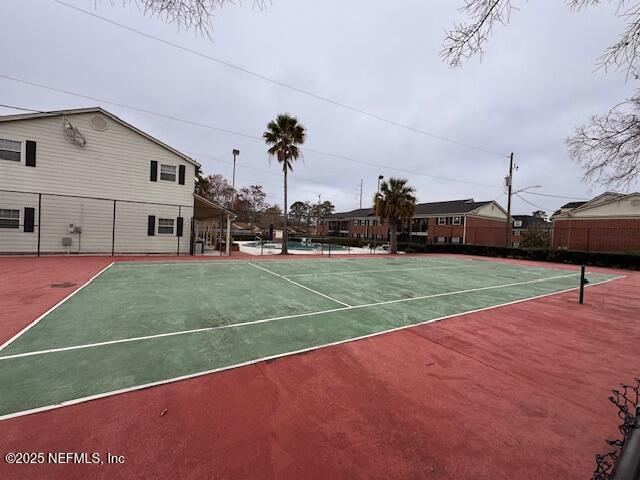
x,y
536,82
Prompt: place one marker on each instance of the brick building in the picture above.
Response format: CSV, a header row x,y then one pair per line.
x,y
608,223
522,224
458,221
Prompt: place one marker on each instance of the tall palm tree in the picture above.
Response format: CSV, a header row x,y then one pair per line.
x,y
284,135
395,203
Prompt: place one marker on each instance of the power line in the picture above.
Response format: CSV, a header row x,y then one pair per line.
x,y
279,83
262,170
231,132
20,108
527,201
555,196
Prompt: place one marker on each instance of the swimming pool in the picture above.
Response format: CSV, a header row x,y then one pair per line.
x,y
309,246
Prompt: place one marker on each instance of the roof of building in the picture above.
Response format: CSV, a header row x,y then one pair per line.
x,y
573,205
74,111
532,221
431,208
602,199
453,206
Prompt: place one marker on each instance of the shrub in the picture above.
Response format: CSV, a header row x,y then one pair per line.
x,y
615,260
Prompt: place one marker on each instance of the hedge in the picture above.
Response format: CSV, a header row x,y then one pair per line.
x,y
614,260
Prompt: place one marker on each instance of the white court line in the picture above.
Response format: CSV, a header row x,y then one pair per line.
x,y
380,270
310,259
267,320
35,322
299,284
279,355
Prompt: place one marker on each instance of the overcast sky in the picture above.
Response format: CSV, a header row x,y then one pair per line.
x,y
535,83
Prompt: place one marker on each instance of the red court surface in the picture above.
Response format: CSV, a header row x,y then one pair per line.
x,y
515,392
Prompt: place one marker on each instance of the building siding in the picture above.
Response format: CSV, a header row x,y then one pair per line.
x,y
114,165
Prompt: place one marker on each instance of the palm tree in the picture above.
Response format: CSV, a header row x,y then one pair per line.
x,y
284,135
395,202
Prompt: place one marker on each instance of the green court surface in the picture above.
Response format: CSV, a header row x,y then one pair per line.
x,y
138,324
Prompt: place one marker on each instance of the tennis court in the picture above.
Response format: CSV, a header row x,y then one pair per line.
x,y
136,325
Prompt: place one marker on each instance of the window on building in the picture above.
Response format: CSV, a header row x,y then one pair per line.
x,y
455,239
10,150
457,220
517,223
441,239
9,218
165,225
516,244
442,220
168,172
515,233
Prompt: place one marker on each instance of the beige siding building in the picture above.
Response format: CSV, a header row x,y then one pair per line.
x,y
84,181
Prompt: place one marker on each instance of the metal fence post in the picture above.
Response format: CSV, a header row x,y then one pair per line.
x,y
178,236
39,220
113,230
582,282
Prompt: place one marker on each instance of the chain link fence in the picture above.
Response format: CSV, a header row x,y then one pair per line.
x,y
42,223
620,463
597,239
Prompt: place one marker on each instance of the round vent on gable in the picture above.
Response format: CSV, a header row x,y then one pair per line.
x,y
99,123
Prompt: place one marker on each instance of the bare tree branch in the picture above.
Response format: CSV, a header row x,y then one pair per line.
x,y
468,39
194,15
608,147
625,54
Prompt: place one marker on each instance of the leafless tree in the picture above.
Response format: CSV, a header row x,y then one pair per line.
x,y
608,147
194,15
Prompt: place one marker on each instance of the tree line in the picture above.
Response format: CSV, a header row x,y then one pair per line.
x,y
250,205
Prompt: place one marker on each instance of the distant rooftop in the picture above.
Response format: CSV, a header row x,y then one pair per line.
x,y
430,208
573,204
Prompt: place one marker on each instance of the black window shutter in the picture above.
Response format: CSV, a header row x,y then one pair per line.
x,y
179,226
154,171
181,170
29,216
30,153
151,228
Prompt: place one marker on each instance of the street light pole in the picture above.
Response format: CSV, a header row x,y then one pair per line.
x,y
235,152
380,177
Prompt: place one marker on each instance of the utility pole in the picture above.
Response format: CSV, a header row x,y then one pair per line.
x,y
509,182
360,193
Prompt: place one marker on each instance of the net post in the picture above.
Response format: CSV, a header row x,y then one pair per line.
x,y
582,282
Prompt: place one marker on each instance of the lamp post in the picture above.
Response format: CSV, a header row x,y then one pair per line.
x,y
235,153
380,177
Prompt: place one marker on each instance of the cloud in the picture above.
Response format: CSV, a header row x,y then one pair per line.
x,y
533,86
